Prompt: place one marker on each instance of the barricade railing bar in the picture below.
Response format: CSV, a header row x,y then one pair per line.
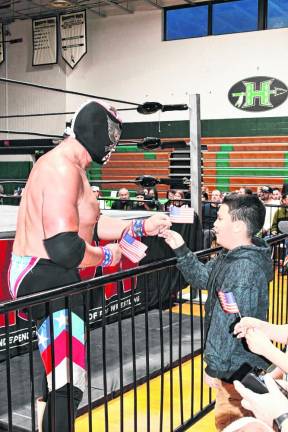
x,y
148,351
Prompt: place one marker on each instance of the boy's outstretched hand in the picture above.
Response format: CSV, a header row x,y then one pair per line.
x,y
172,238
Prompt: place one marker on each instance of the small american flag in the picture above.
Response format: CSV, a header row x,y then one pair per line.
x,y
181,215
228,302
132,248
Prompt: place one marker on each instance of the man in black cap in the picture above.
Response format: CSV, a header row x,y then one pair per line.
x,y
266,196
55,227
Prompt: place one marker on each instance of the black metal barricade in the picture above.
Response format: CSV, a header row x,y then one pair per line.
x,y
151,354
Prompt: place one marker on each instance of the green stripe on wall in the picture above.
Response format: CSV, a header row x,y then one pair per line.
x,y
269,172
94,172
126,149
256,126
223,184
286,159
150,155
222,159
226,147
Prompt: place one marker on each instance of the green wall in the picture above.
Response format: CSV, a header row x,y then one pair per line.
x,y
209,128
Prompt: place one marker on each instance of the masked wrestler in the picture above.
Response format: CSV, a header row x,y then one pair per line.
x,y
55,226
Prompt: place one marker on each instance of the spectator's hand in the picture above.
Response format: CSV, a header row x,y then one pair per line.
x,y
172,238
210,381
258,342
276,373
156,224
245,324
265,407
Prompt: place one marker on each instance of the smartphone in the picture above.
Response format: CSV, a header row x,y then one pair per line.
x,y
254,383
257,384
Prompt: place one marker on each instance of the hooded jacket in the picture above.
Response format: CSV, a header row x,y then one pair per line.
x,y
245,271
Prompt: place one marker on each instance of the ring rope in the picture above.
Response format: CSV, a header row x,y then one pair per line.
x,y
40,86
51,114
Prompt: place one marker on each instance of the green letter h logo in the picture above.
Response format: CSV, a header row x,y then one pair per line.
x,y
251,93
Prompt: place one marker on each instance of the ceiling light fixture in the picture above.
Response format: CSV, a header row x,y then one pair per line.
x,y
59,4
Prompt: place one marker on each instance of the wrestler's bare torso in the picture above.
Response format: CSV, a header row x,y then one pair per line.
x,y
57,198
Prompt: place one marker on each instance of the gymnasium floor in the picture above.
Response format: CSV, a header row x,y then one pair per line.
x,y
205,425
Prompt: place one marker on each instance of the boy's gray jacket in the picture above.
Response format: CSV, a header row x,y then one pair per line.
x,y
245,271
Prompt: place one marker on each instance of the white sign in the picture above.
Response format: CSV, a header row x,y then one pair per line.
x,y
1,44
73,37
44,41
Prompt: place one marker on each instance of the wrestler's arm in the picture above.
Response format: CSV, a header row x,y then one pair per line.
x,y
60,213
109,228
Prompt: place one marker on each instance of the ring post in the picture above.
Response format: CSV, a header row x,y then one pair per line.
x,y
195,153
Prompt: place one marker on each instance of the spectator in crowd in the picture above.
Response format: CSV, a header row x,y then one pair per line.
x,y
243,270
204,196
97,193
266,196
169,203
276,195
18,191
205,189
209,216
139,204
178,199
123,202
285,188
280,214
1,193
152,200
245,191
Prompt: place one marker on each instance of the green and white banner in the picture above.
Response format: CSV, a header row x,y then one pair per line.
x,y
44,41
73,37
1,44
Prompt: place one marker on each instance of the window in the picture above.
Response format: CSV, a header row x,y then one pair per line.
x,y
235,17
277,15
224,17
186,22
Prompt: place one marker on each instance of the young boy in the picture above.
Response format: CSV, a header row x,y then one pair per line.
x,y
243,268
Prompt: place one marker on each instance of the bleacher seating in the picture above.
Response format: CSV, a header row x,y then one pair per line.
x,y
129,162
227,164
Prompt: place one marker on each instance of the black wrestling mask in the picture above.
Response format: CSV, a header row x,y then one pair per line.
x,y
97,126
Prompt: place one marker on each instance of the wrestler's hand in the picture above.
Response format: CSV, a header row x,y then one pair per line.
x,y
116,253
156,224
172,238
265,407
247,323
210,381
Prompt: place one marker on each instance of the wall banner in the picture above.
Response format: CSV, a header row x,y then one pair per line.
x,y
44,41
1,44
73,37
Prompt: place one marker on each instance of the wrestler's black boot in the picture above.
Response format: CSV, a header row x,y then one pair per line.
x,y
59,410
